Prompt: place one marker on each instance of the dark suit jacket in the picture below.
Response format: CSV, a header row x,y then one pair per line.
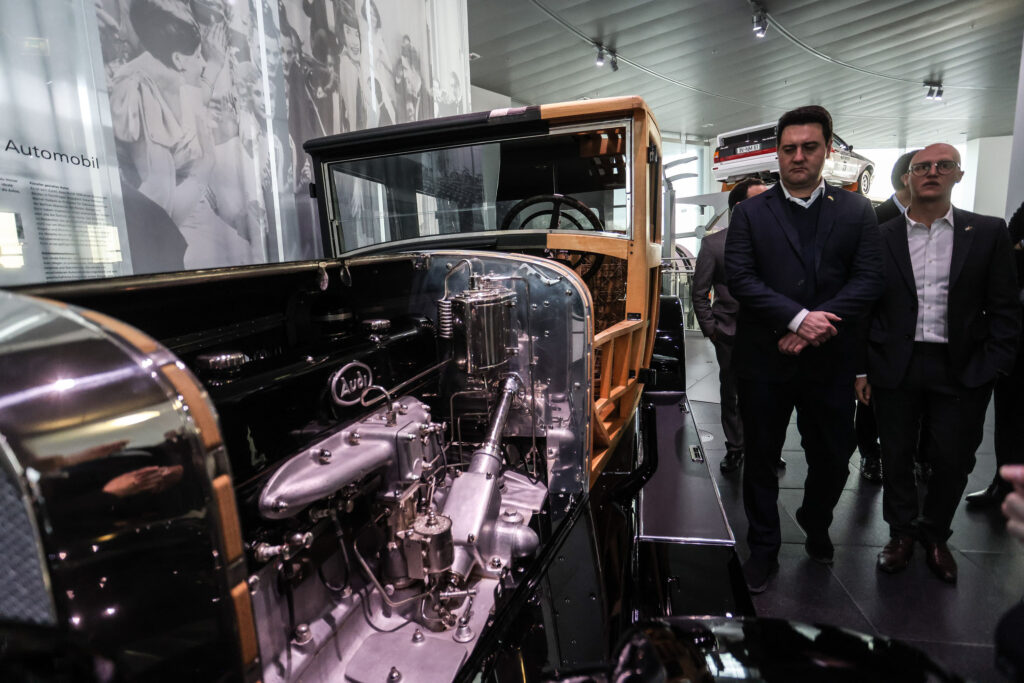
x,y
887,210
983,317
707,274
767,275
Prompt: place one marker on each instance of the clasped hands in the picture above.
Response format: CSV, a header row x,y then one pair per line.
x,y
815,329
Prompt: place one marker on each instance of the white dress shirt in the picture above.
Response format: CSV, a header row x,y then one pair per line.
x,y
794,324
931,251
896,201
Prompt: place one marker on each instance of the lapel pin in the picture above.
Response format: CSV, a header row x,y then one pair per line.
x,y
968,228
830,198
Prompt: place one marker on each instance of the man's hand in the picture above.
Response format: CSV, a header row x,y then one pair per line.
x,y
817,327
862,389
792,344
1013,505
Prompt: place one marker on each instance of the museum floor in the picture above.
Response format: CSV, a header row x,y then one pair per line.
x,y
953,624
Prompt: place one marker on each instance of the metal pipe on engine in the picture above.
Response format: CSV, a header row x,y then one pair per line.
x,y
487,458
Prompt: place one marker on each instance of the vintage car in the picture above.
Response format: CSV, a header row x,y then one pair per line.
x,y
456,448
751,152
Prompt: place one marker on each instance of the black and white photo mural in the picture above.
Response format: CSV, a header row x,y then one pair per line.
x,y
198,114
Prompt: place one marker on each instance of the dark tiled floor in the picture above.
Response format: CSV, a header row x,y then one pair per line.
x,y
953,624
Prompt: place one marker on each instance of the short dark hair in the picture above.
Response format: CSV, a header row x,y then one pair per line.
x,y
901,168
739,191
812,113
164,28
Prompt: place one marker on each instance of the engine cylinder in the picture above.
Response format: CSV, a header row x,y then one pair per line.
x,y
483,317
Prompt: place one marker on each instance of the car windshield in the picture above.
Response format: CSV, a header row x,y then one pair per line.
x,y
574,179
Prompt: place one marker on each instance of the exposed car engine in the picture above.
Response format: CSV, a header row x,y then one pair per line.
x,y
399,528
400,434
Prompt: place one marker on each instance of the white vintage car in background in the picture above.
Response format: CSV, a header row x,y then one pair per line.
x,y
752,152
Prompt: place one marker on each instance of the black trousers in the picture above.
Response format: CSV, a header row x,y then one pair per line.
x,y
954,418
1009,416
732,426
867,432
824,416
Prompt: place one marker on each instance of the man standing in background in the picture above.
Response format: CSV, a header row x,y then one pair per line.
x,y
944,329
804,261
718,321
867,429
1008,396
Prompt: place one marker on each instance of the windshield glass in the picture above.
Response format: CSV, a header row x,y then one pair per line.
x,y
570,179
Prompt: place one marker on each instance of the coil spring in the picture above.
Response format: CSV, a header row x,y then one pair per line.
x,y
444,319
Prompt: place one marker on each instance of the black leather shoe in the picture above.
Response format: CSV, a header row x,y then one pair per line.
x,y
940,561
818,544
732,461
895,556
757,571
871,469
989,497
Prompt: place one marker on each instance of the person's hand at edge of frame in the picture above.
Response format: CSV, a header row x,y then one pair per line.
x,y
1013,505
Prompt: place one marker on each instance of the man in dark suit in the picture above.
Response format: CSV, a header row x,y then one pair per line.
x,y
1008,396
897,203
943,331
718,321
804,261
867,430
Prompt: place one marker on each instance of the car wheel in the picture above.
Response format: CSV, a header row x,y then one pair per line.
x,y
864,182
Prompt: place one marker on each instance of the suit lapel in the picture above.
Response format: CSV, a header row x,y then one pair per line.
x,y
896,240
963,235
826,220
777,208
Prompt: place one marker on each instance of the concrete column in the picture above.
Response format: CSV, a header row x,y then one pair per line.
x,y
987,164
482,99
1015,186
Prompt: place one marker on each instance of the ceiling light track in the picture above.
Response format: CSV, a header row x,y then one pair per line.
x,y
774,23
617,59
668,79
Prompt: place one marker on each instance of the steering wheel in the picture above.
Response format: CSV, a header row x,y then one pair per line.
x,y
591,221
585,263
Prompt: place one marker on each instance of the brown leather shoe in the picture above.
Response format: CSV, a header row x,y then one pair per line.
x,y
941,561
895,556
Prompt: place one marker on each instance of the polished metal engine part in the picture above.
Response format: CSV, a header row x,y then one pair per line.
x,y
483,323
396,437
428,547
474,503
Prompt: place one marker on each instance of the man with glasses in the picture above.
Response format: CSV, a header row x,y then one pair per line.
x,y
943,331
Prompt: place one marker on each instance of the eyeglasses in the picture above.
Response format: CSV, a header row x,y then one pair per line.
x,y
944,167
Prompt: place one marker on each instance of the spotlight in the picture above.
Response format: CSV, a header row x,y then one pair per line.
x,y
600,56
760,21
615,62
934,90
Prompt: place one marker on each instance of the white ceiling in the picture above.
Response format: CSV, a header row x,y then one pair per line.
x,y
972,46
